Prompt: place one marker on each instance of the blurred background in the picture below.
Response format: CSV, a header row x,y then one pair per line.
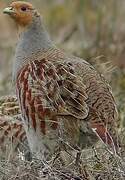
x,y
91,29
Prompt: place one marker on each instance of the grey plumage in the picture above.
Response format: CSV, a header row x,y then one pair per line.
x,y
62,97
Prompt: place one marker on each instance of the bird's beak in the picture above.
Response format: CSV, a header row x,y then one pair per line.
x,y
8,10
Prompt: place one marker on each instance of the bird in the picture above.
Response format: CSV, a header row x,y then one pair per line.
x,y
66,105
13,140
9,106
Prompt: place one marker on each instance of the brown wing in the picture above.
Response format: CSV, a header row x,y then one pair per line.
x,y
48,90
102,107
102,114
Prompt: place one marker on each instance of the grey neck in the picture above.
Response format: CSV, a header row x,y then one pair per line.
x,y
35,38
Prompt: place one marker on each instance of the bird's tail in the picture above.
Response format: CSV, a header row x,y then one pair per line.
x,y
104,134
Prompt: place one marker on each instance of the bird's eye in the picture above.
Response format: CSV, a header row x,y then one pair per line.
x,y
11,8
23,8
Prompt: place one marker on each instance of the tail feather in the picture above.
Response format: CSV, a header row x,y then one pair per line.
x,y
103,134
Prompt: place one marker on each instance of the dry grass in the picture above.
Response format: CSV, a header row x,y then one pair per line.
x,y
96,164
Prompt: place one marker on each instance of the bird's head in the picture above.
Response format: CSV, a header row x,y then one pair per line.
x,y
22,12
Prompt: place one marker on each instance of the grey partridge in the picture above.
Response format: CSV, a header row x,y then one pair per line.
x,y
12,134
65,103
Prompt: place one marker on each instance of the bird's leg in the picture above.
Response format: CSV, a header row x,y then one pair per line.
x,y
95,154
55,157
81,167
78,158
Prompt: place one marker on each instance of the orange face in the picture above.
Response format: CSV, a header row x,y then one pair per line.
x,y
21,12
